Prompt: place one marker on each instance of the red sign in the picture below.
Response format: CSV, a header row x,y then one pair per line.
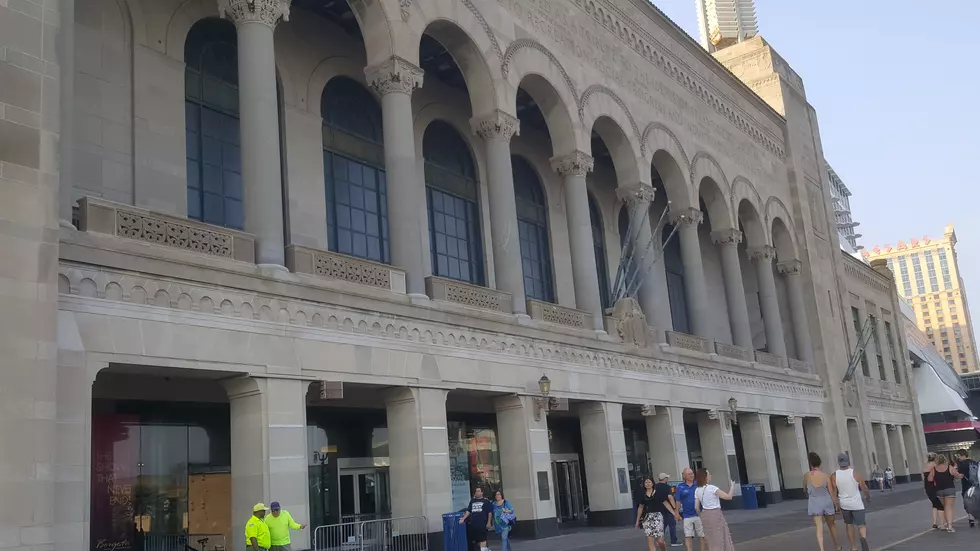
x,y
115,457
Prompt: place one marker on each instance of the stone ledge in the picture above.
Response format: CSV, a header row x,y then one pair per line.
x,y
732,351
484,298
128,222
560,315
688,342
306,260
766,358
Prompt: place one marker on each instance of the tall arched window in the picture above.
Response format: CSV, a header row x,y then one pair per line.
x,y
451,191
599,245
532,228
214,172
674,268
353,166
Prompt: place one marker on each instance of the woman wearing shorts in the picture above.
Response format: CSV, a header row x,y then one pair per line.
x,y
943,475
649,516
935,503
821,504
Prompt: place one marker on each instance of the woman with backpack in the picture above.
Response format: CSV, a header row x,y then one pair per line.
x,y
503,519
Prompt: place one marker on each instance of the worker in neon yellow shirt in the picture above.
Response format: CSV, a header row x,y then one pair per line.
x,y
280,523
257,536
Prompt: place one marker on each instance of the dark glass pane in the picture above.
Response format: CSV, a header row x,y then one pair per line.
x,y
213,180
193,175
213,209
191,115
233,185
532,231
234,214
348,106
231,157
344,241
445,148
193,204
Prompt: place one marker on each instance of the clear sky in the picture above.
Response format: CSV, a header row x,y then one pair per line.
x,y
896,86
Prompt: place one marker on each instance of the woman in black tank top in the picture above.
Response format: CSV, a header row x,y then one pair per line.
x,y
930,487
942,476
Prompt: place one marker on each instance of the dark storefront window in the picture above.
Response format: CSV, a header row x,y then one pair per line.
x,y
637,450
474,460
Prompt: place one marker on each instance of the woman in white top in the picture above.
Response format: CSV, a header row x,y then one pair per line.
x,y
707,502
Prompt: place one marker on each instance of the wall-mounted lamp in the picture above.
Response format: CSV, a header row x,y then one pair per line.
x,y
732,414
544,403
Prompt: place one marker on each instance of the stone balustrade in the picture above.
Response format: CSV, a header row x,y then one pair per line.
x,y
305,260
800,366
772,360
450,290
688,342
128,222
560,315
732,351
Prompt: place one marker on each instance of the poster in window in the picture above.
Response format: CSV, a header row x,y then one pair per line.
x,y
544,489
115,454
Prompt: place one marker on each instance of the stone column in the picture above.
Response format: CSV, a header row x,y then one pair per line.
x,y
718,448
738,312
525,458
819,441
418,444
687,221
653,297
604,454
913,452
763,257
901,464
269,452
793,461
883,451
496,130
255,22
791,271
29,192
760,455
573,168
667,441
395,80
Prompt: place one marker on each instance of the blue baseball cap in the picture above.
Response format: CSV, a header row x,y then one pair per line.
x,y
275,506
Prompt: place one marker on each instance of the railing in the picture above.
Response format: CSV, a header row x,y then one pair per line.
x,y
561,315
772,360
450,290
184,542
333,265
383,534
363,517
688,342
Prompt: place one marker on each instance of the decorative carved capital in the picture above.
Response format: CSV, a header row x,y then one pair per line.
x,y
496,126
405,7
765,253
726,237
790,267
791,419
576,163
394,75
634,195
686,217
266,12
714,414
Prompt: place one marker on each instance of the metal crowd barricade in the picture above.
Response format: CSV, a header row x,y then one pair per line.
x,y
184,542
383,534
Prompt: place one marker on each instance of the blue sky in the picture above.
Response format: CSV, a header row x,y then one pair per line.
x,y
896,86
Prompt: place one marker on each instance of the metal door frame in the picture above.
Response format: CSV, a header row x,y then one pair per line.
x,y
355,472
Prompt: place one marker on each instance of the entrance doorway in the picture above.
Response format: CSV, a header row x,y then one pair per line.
x,y
365,494
569,498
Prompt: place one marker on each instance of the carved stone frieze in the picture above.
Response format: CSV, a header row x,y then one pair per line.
x,y
730,236
637,194
765,253
631,324
496,126
685,218
394,76
790,267
576,163
266,12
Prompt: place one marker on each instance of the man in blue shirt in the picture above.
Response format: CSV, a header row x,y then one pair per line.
x,y
692,522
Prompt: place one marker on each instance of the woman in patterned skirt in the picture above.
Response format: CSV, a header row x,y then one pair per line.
x,y
650,516
707,501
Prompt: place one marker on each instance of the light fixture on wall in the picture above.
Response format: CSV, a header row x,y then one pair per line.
x,y
732,413
545,402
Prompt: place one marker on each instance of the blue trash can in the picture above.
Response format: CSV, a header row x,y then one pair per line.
x,y
453,533
750,498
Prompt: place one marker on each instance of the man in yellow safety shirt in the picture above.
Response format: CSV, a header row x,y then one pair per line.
x,y
257,536
280,523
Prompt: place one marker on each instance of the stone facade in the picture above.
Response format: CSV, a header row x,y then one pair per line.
x,y
136,287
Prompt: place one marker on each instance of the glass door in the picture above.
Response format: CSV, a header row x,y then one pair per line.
x,y
364,495
569,499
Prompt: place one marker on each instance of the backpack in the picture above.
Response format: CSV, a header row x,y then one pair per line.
x,y
971,500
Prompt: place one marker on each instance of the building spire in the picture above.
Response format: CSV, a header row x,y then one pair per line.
x,y
726,22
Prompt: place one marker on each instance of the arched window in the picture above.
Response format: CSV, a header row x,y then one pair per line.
x,y
532,228
214,179
451,193
353,167
599,244
674,268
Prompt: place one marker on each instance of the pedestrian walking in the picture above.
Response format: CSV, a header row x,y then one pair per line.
x,y
280,522
478,520
879,478
890,478
503,519
670,508
935,504
849,487
708,504
257,537
650,515
821,503
943,476
965,466
693,528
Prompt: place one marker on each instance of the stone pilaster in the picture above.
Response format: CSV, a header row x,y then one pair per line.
x,y
395,80
687,222
793,462
653,297
573,168
255,22
667,441
883,451
738,313
760,455
604,454
792,271
901,464
718,448
496,130
771,319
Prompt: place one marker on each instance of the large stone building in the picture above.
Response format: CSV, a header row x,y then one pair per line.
x,y
358,260
930,280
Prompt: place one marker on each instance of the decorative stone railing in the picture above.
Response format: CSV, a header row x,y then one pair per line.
x,y
450,290
800,366
100,216
560,315
305,260
771,360
688,342
732,351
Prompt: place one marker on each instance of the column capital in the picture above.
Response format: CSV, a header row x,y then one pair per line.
x,y
790,267
576,163
394,75
636,194
689,217
730,236
266,12
764,253
496,126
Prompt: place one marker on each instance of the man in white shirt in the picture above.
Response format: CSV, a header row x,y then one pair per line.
x,y
850,489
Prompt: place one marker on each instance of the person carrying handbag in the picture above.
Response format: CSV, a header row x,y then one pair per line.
x,y
503,519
